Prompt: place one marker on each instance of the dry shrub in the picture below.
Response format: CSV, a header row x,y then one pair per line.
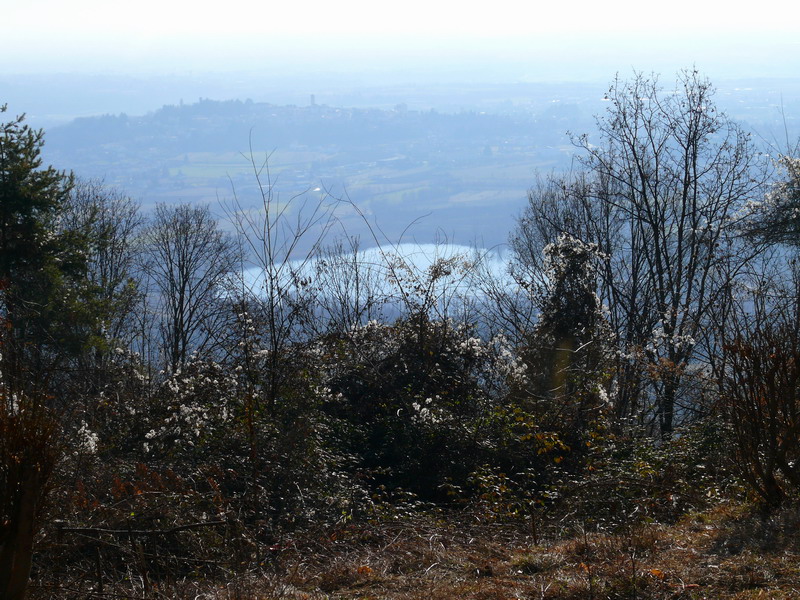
x,y
760,393
29,451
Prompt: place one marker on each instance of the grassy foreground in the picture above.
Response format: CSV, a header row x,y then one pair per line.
x,y
728,551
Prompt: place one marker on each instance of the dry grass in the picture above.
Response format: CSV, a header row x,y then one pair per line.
x,y
725,553
719,554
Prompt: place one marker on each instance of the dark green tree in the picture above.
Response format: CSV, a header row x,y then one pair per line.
x,y
42,266
41,323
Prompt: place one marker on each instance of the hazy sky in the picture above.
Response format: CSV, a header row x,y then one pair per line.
x,y
175,35
82,19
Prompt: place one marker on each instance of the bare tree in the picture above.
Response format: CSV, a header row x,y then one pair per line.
x,y
111,224
351,289
660,195
428,281
280,239
188,260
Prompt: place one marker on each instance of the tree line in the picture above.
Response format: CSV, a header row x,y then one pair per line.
x,y
227,382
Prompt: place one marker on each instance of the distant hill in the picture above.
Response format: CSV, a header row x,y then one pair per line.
x,y
466,172
470,170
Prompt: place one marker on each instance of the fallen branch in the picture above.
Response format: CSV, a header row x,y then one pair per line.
x,y
90,530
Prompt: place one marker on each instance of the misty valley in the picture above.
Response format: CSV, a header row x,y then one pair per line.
x,y
460,171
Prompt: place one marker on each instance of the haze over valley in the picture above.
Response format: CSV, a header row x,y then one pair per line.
x,y
455,160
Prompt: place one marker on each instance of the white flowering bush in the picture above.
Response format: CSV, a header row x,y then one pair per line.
x,y
86,440
564,394
776,217
418,402
197,403
117,406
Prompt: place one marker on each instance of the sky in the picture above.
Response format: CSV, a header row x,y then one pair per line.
x,y
201,35
79,19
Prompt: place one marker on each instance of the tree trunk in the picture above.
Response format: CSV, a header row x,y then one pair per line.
x,y
16,543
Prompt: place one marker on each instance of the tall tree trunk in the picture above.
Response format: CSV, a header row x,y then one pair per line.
x,y
16,543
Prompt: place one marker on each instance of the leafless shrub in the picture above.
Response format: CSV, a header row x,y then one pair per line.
x,y
29,451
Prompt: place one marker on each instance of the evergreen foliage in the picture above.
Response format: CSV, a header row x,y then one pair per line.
x,y
51,311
